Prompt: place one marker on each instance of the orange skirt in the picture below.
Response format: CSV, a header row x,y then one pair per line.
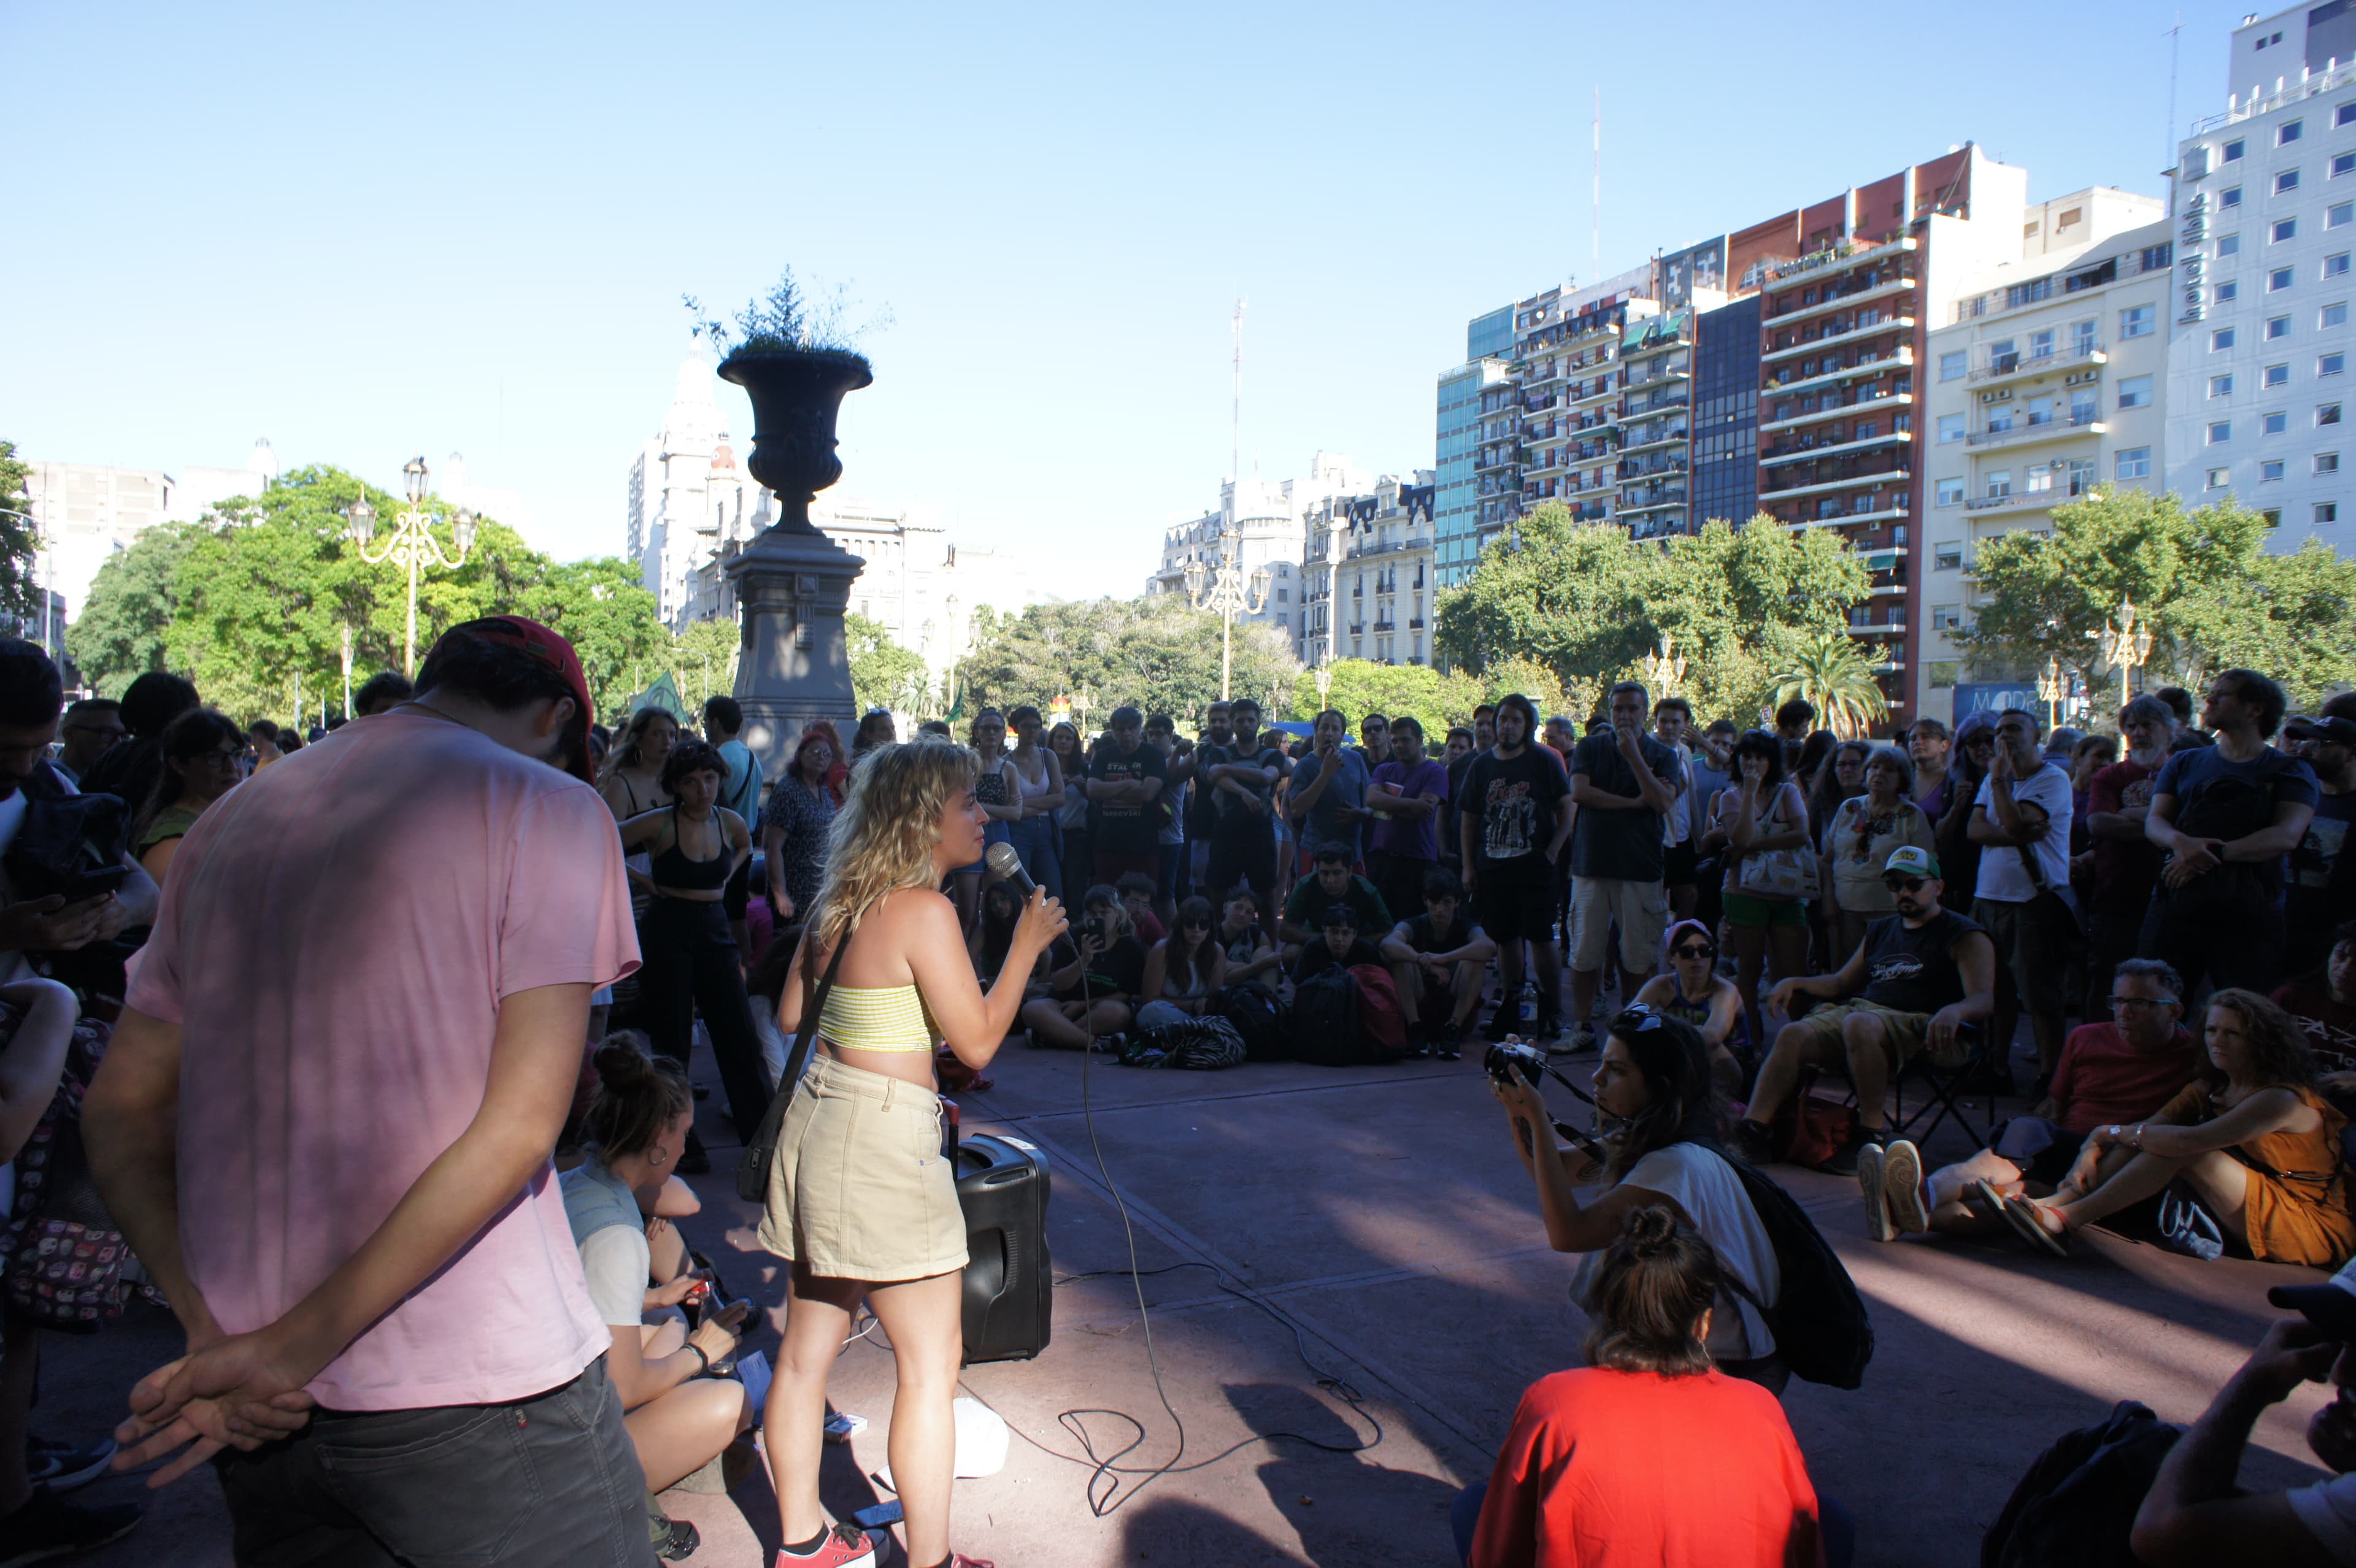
x,y
2289,1225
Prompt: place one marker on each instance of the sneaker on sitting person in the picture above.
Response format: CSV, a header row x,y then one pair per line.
x,y
1869,1176
837,1546
62,1467
1448,1042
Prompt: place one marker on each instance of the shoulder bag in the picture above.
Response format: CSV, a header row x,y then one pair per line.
x,y
761,1149
1788,873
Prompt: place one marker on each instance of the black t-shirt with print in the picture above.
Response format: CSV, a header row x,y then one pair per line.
x,y
1235,819
1514,800
1125,827
1912,968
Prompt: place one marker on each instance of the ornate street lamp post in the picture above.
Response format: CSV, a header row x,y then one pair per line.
x,y
1664,669
1324,687
2125,647
1225,597
411,545
2050,691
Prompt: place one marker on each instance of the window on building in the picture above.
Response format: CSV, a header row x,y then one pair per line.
x,y
2220,339
2325,512
2039,478
2220,386
1946,617
2283,230
2326,414
2270,472
1950,493
2219,432
1943,673
1952,365
2136,321
2275,423
2332,315
2000,485
2228,291
2289,131
2083,406
2339,214
2230,196
2326,463
2286,181
2135,392
2228,245
2277,326
1946,557
2335,266
2276,375
2081,475
2133,462
2345,114
2278,278
2041,343
2330,364
2219,478
1951,427
2231,153
2343,164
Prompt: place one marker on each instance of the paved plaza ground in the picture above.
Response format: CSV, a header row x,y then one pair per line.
x,y
1383,1213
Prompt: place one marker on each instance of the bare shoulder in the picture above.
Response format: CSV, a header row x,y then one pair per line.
x,y
918,912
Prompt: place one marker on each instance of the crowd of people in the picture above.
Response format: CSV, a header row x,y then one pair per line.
x,y
1717,916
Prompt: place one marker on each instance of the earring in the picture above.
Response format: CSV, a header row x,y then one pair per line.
x,y
658,1155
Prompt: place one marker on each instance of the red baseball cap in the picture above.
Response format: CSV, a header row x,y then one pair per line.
x,y
552,650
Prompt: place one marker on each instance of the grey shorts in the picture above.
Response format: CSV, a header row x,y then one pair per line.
x,y
2033,941
860,1189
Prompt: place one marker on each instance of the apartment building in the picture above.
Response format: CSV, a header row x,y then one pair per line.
x,y
1456,522
2260,342
2049,384
1725,483
1848,289
1656,365
1266,519
1369,576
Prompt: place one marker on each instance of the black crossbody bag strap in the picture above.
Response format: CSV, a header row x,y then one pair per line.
x,y
753,1166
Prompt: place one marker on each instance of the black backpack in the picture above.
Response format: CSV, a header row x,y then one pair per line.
x,y
1819,1321
1258,1015
2076,1507
1325,1020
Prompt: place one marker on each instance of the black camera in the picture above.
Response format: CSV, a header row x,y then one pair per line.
x,y
1091,928
1505,1059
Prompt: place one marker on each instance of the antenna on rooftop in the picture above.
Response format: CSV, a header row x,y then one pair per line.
x,y
1595,228
1236,433
2174,34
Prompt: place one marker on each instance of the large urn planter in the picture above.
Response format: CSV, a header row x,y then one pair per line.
x,y
792,583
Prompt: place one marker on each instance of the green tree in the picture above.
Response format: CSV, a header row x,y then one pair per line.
x,y
1827,671
704,660
1585,604
1434,698
120,633
883,673
2201,579
1153,652
18,594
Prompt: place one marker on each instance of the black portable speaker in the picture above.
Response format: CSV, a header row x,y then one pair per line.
x,y
1002,1187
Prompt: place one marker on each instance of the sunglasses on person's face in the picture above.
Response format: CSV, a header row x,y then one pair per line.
x,y
1692,950
1904,884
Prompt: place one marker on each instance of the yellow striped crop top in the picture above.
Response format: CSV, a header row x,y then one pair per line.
x,y
877,1017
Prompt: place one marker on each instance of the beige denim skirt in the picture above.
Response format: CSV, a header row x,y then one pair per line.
x,y
860,1189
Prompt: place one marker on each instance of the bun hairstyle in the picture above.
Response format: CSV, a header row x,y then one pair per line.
x,y
1657,1280
638,1096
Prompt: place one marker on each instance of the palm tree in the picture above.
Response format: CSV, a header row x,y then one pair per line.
x,y
1827,670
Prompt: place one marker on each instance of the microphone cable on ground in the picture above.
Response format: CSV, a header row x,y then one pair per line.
x,y
1105,1493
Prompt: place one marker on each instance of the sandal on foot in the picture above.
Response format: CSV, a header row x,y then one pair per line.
x,y
2022,1215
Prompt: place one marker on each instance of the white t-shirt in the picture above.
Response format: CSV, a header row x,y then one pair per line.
x,y
1702,1184
2004,871
2327,1509
618,1262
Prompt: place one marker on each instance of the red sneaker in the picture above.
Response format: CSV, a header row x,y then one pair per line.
x,y
845,1546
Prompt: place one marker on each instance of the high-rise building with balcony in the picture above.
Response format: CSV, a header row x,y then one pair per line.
x,y
2260,343
1656,365
1462,415
1267,518
1846,289
1726,412
2047,384
1370,577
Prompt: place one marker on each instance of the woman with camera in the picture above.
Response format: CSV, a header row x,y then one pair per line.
x,y
861,1199
1659,1110
1094,995
1647,1454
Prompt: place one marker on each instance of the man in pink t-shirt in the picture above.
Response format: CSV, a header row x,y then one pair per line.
x,y
324,1124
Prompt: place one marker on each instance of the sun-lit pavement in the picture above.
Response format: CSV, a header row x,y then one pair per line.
x,y
1383,1215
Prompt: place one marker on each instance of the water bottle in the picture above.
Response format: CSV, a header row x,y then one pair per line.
x,y
1530,1002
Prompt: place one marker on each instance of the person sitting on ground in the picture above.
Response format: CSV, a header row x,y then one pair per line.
x,y
2324,1005
1338,945
1438,961
1922,975
1652,1090
2196,1513
680,1417
1251,957
1694,990
204,758
994,934
1137,890
381,693
1649,1454
2122,1071
2250,1137
1334,883
1091,997
1183,970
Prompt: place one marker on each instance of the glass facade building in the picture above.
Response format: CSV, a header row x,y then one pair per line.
x,y
1456,508
1726,413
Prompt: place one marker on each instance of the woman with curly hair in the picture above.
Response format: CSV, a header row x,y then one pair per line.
x,y
860,1199
688,955
2250,1136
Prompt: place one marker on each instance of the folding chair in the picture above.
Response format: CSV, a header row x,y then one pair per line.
x,y
1943,1087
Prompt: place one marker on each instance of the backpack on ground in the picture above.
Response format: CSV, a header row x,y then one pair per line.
x,y
1325,1020
1259,1018
1381,1022
1203,1044
1820,1324
2076,1507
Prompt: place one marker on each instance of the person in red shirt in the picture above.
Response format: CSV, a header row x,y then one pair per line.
x,y
2125,863
1648,1454
2124,1071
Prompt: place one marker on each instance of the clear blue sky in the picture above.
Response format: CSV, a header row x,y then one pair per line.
x,y
368,231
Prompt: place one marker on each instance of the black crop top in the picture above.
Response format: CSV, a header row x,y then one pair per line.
x,y
672,869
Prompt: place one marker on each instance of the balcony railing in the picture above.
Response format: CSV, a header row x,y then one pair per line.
x,y
1888,324
2034,429
1800,452
1902,359
2011,367
1781,275
1836,405
1842,482
1882,288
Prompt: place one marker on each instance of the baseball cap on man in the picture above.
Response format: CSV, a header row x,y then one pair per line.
x,y
546,647
2330,1307
1911,860
2333,730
